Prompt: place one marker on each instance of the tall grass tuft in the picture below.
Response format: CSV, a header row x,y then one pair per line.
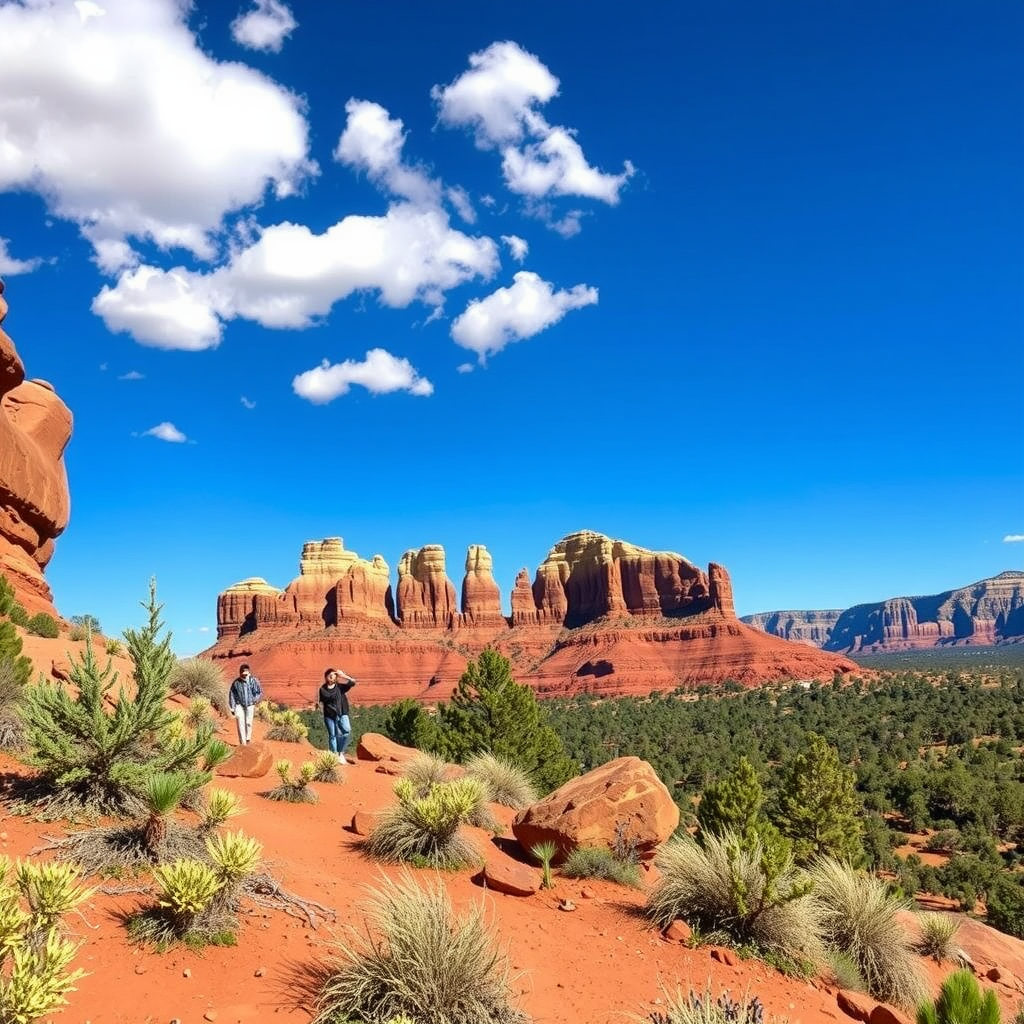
x,y
425,770
937,934
705,1008
861,919
504,782
197,677
599,862
419,960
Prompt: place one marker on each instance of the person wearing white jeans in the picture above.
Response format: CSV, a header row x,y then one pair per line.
x,y
243,696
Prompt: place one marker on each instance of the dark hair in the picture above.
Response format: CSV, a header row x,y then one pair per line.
x,y
328,671
243,668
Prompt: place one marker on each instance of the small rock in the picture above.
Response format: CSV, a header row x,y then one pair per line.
x,y
210,1015
883,1014
3,836
187,973
678,931
993,973
566,905
140,969
259,972
855,1004
587,893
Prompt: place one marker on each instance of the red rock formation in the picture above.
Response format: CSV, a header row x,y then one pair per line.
x,y
35,427
524,608
481,598
426,597
806,627
364,593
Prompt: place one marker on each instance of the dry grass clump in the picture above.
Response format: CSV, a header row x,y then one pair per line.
x,y
425,829
860,919
705,1008
598,862
294,791
327,768
724,889
937,934
425,770
505,783
197,677
12,726
419,961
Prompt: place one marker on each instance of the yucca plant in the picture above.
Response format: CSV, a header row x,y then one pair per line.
x,y
51,890
325,768
505,783
960,1001
234,855
198,713
38,979
187,887
545,853
286,726
163,794
221,805
297,790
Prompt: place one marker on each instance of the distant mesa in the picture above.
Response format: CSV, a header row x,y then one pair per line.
x,y
35,427
600,616
990,611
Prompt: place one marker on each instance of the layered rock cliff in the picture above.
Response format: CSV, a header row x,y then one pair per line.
x,y
35,427
990,611
601,616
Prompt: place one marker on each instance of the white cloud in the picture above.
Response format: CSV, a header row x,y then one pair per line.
x,y
248,403
488,200
380,373
166,432
512,314
121,122
498,98
132,375
517,246
9,266
290,276
265,27
1013,538
465,368
461,203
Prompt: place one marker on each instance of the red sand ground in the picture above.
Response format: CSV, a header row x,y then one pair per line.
x,y
601,963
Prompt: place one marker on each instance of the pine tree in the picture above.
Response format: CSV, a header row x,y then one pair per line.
x,y
7,598
490,712
96,753
10,651
734,803
407,723
818,807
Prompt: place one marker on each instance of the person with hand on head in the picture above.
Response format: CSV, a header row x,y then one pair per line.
x,y
243,696
333,697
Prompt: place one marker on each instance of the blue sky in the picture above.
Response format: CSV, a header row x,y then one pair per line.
x,y
739,280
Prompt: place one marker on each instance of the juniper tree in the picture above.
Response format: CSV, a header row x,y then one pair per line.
x,y
734,803
96,752
10,652
490,712
818,807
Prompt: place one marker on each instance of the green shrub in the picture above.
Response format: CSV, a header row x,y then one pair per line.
x,y
424,771
43,625
960,1001
425,829
326,768
420,962
545,853
706,1009
10,654
937,934
12,693
220,806
7,598
197,677
78,633
843,972
740,892
598,862
1005,907
113,646
18,615
287,727
861,919
294,791
504,782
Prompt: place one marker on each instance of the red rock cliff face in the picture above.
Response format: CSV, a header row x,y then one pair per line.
x,y
602,616
806,627
35,427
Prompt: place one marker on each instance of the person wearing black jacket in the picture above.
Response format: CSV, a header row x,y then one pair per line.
x,y
333,697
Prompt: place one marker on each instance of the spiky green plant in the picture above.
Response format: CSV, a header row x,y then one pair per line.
x,y
419,960
234,855
198,713
297,790
506,783
163,792
425,770
545,853
937,934
186,887
51,890
707,1008
600,862
221,805
287,727
960,1001
325,768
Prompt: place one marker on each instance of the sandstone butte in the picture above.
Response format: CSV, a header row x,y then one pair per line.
x,y
990,611
601,616
35,427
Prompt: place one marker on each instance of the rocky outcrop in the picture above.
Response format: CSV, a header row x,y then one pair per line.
x,y
990,611
803,627
602,616
624,796
35,427
481,598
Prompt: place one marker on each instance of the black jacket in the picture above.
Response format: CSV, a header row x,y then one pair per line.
x,y
335,699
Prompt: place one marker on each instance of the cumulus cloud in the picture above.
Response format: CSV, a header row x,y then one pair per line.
x,y
498,99
511,314
465,368
380,373
248,403
517,246
1013,538
166,432
291,276
132,375
9,266
265,27
461,203
119,120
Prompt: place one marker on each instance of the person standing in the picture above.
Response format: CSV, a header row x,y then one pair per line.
x,y
333,697
243,696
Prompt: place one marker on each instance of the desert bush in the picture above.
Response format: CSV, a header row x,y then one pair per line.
x,y
78,633
294,791
12,693
545,853
599,862
220,806
264,711
1005,908
287,726
326,768
35,956
19,616
843,972
418,961
861,919
113,646
949,840
197,677
198,714
937,934
425,829
505,783
425,770
744,892
960,1001
706,1009
187,888
10,652
97,759
43,625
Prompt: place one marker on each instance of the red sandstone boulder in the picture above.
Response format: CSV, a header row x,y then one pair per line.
x,y
374,747
883,1014
363,823
35,427
855,1004
678,931
252,761
511,877
587,811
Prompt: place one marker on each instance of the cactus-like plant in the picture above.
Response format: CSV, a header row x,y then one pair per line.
x,y
235,856
545,853
198,713
187,887
286,726
325,768
295,791
220,806
960,1001
51,890
163,793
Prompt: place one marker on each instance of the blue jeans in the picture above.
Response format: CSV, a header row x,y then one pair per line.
x,y
339,732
